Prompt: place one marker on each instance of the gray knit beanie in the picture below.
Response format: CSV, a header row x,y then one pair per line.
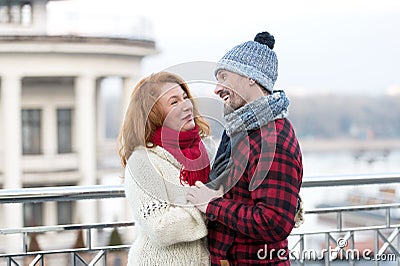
x,y
253,59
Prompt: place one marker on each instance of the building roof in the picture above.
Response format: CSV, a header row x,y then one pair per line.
x,y
76,44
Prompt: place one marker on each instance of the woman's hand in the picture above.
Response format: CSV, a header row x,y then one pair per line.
x,y
200,195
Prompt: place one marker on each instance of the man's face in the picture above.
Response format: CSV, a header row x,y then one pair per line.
x,y
233,89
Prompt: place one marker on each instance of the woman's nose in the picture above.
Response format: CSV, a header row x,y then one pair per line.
x,y
187,105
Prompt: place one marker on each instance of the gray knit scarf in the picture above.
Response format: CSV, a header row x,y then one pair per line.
x,y
257,113
252,116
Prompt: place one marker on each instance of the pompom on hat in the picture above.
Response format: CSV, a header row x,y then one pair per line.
x,y
253,59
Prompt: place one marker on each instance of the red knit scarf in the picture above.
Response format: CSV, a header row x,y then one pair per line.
x,y
188,149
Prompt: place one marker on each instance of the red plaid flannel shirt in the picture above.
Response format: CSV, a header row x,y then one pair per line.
x,y
244,224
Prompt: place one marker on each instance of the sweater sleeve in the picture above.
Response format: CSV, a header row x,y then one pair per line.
x,y
165,222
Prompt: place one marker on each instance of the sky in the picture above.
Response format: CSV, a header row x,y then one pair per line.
x,y
341,46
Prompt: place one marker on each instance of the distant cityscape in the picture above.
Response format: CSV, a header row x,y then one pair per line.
x,y
346,116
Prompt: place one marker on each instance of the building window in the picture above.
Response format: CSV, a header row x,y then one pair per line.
x,y
65,212
33,214
64,130
4,18
15,12
26,13
31,131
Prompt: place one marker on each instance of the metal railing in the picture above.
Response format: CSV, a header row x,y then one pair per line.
x,y
77,259
62,193
339,243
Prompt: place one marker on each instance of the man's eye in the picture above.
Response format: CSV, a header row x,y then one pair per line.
x,y
174,102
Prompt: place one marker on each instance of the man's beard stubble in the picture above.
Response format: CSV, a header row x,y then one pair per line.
x,y
235,102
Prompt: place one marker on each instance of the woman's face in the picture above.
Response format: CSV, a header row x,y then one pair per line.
x,y
176,107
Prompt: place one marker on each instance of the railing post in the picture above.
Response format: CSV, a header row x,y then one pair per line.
x,y
352,262
302,249
376,248
339,221
89,239
388,218
25,242
328,255
398,245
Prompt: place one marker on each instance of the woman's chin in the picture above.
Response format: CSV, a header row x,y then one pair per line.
x,y
188,126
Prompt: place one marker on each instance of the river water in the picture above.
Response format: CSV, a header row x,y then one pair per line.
x,y
350,163
325,164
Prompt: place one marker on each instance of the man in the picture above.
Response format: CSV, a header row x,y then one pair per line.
x,y
258,163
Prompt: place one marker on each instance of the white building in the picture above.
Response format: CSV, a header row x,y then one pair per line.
x,y
52,126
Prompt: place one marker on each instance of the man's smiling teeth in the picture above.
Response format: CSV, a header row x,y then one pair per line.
x,y
224,95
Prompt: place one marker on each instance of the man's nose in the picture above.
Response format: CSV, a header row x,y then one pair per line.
x,y
218,88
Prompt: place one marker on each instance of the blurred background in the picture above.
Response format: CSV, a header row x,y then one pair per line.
x,y
67,69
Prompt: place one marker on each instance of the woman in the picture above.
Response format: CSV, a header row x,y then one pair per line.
x,y
165,148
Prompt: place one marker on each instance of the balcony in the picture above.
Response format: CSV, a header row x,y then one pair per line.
x,y
358,233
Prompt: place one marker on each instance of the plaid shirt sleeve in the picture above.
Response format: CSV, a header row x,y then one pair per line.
x,y
267,212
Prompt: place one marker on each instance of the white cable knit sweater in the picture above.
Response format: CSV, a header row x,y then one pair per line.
x,y
171,232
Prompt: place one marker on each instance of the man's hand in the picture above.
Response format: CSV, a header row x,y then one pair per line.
x,y
200,195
